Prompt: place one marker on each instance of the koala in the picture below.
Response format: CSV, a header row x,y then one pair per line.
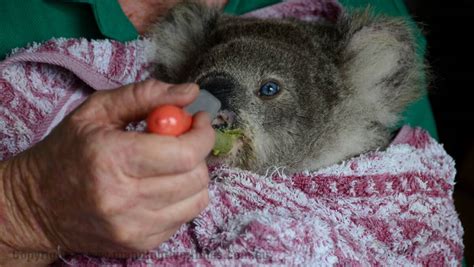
x,y
304,94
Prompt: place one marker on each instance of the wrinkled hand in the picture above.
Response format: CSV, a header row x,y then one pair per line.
x,y
91,187
142,13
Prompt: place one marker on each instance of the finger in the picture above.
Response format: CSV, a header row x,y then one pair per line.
x,y
161,192
133,229
181,212
154,155
155,240
143,228
134,102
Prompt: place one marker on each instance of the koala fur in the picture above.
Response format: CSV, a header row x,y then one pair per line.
x,y
342,85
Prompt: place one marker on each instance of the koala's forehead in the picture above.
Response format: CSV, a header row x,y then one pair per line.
x,y
282,31
243,59
259,45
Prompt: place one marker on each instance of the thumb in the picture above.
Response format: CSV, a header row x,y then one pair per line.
x,y
134,102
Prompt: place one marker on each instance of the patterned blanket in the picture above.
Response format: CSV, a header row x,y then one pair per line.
x,y
391,207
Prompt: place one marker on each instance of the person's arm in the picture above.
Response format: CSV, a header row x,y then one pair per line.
x,y
91,187
16,218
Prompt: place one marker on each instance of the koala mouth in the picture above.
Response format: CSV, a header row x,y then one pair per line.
x,y
225,120
229,139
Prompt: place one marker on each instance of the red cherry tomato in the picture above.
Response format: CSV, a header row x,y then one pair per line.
x,y
169,120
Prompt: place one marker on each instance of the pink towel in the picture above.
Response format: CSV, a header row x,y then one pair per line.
x,y
41,84
391,207
384,208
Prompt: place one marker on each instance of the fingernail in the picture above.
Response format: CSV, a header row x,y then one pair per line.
x,y
182,89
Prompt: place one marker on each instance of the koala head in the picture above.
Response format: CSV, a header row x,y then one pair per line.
x,y
304,94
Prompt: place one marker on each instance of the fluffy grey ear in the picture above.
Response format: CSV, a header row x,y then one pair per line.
x,y
380,63
180,36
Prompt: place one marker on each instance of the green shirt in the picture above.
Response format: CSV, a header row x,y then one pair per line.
x,y
27,21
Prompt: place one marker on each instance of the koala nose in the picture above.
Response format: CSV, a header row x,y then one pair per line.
x,y
220,85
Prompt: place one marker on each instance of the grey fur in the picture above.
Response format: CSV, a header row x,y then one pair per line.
x,y
343,85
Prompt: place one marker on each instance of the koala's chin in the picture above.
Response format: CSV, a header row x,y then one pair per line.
x,y
304,94
241,152
235,157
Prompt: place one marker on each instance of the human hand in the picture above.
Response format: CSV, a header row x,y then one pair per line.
x,y
91,187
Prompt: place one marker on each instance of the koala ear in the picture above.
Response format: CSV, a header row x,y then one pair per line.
x,y
180,36
380,63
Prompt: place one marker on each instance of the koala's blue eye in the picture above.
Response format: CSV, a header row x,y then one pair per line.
x,y
269,89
